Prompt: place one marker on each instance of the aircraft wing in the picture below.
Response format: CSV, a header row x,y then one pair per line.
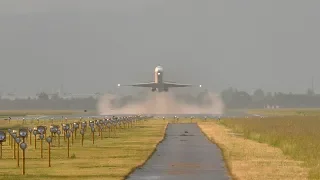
x,y
170,84
151,84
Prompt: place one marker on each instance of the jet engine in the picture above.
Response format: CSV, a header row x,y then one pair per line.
x,y
153,89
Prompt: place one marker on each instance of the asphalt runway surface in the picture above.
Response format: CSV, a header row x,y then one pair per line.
x,y
184,154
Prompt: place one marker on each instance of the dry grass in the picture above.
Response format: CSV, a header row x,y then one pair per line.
x,y
296,136
247,159
109,158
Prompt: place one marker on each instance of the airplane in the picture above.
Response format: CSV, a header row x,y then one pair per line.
x,y
159,84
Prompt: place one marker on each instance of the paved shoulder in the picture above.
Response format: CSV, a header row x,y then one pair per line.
x,y
184,154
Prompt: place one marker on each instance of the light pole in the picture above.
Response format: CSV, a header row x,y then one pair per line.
x,y
49,140
58,132
42,131
18,140
68,137
76,126
14,136
35,132
82,136
23,133
23,146
30,131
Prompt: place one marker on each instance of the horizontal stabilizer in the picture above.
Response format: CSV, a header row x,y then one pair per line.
x,y
169,84
151,84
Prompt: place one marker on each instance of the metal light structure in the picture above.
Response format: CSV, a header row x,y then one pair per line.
x,y
58,132
68,137
91,124
30,131
76,126
64,128
23,133
71,130
18,140
35,132
84,125
42,131
41,144
82,136
2,139
14,136
49,140
53,130
10,140
23,146
92,130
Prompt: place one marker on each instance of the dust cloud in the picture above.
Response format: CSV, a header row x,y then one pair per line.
x,y
161,103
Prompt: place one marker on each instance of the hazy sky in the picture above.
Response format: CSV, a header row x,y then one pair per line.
x,y
92,46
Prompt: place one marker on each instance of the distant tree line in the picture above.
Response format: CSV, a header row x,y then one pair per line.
x,y
231,97
234,98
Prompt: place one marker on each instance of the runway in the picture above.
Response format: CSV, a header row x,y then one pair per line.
x,y
184,154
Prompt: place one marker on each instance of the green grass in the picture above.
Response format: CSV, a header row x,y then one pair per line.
x,y
296,136
107,158
12,113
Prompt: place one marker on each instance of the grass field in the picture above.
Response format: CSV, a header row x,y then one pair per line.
x,y
284,112
12,113
108,158
297,136
247,159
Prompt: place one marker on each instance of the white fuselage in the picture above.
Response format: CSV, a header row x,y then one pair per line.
x,y
158,79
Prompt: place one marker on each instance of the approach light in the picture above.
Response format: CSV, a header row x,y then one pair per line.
x,y
76,125
35,132
41,136
49,139
2,136
83,124
23,132
53,129
91,123
68,135
23,146
41,129
14,133
18,140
